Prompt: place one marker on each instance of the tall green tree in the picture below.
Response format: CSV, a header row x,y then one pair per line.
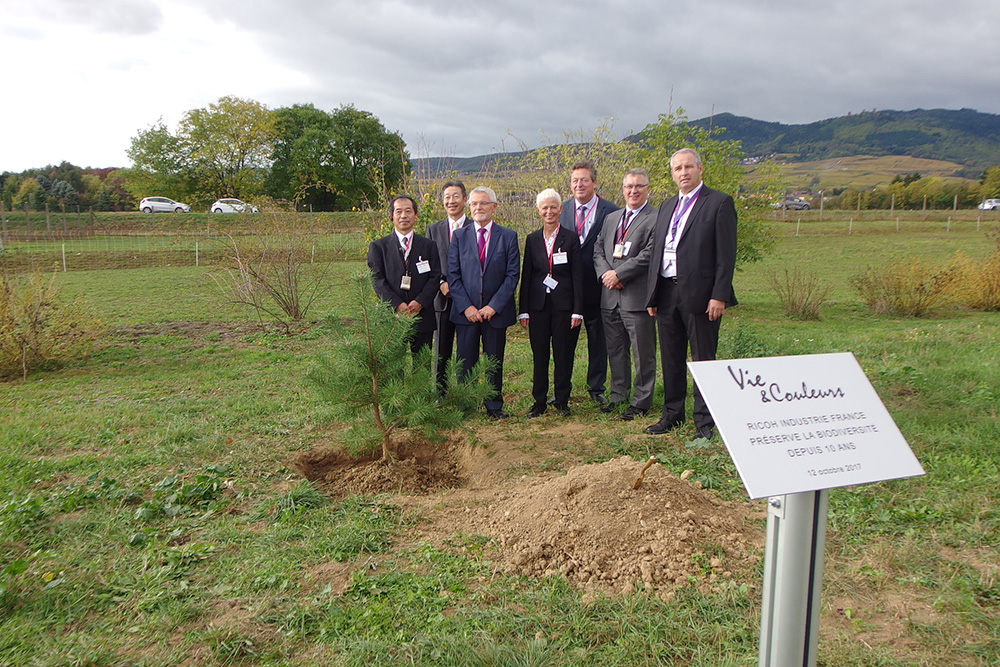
x,y
989,182
377,160
228,146
306,165
223,150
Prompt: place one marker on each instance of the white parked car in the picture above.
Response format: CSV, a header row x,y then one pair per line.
x,y
162,205
232,206
989,205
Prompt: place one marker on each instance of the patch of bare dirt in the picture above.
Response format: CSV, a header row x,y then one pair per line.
x,y
420,468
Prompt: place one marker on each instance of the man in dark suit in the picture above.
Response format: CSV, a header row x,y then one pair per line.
x,y
584,214
454,198
690,284
483,267
621,262
406,271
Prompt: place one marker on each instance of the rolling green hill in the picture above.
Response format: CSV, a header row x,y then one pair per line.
x,y
966,137
961,142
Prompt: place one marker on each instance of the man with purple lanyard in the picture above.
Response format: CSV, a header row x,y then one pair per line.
x,y
690,284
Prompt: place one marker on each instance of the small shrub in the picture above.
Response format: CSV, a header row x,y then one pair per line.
x,y
911,287
976,284
270,269
801,294
377,387
38,329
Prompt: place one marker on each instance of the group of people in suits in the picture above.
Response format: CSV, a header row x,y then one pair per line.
x,y
625,275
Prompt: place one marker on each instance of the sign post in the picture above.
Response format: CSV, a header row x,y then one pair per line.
x,y
797,427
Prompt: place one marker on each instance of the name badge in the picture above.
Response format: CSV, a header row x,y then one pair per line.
x,y
550,282
559,258
619,251
424,266
404,284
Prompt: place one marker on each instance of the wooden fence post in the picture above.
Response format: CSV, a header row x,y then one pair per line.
x,y
48,219
27,221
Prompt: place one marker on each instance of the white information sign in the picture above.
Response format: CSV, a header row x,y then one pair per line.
x,y
803,423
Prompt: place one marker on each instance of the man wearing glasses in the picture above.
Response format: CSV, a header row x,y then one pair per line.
x,y
621,262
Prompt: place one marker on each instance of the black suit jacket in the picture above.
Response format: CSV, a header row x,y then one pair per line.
x,y
438,232
706,251
567,219
386,264
568,294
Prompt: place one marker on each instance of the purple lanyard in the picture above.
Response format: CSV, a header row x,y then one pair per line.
x,y
679,214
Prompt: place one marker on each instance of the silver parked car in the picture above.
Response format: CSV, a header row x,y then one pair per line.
x,y
162,205
232,206
989,205
793,203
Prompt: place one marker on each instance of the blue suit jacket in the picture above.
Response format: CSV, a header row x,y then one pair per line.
x,y
493,285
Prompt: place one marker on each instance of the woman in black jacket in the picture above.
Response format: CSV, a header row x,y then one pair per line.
x,y
551,302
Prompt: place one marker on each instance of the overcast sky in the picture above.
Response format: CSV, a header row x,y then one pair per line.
x,y
81,78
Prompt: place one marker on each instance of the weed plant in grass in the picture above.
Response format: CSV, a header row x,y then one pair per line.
x,y
801,293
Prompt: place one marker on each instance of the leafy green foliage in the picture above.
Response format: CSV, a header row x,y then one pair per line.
x,y
219,151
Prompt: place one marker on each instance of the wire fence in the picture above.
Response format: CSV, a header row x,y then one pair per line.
x,y
20,253
81,241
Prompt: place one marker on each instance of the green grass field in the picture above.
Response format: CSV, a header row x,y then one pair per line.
x,y
150,514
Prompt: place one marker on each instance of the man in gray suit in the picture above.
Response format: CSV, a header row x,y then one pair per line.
x,y
454,198
621,263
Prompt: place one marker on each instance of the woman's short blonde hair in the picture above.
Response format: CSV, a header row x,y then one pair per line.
x,y
545,195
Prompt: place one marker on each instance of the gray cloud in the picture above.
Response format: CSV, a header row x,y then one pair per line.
x,y
463,79
126,17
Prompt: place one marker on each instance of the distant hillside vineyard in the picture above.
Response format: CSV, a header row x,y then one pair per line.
x,y
963,136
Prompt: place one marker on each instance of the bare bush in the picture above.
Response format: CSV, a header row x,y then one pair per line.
x,y
910,287
270,268
37,328
801,294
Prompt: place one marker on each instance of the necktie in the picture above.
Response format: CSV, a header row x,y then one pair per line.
x,y
482,247
581,221
623,226
405,247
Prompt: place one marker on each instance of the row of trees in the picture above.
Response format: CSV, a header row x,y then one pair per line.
x,y
65,184
339,160
913,192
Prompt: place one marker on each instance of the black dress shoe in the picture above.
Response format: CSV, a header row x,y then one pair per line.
x,y
497,414
562,410
597,397
609,407
632,413
536,411
661,427
705,432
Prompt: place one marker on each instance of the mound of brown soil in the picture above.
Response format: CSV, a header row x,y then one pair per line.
x,y
592,527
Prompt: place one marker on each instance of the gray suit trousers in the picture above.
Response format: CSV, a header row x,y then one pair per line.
x,y
631,335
